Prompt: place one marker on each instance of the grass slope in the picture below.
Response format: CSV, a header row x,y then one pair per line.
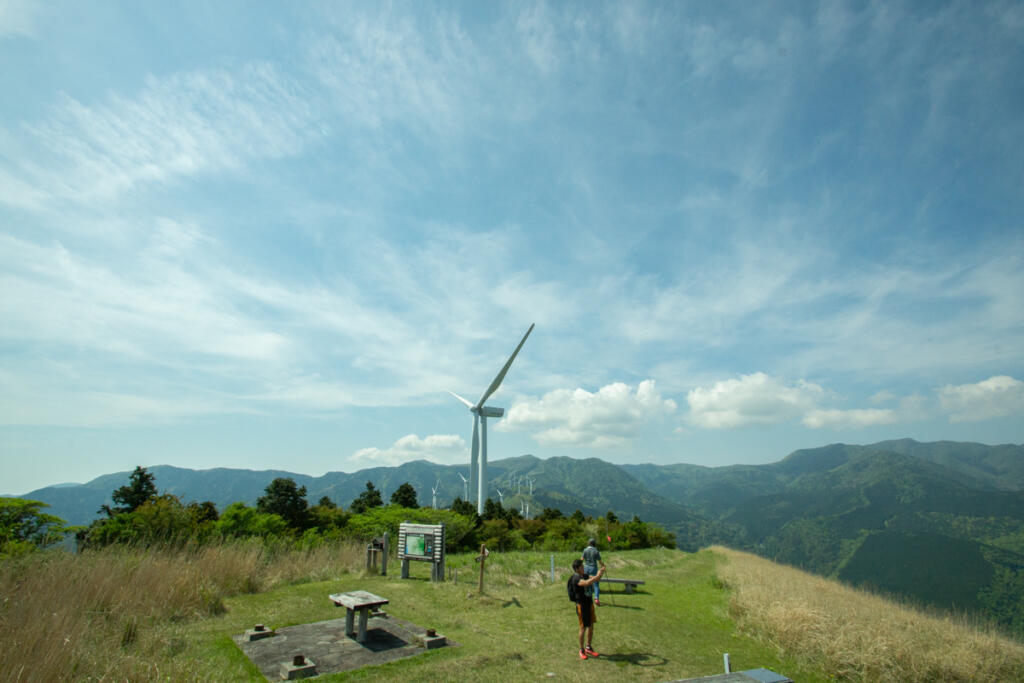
x,y
522,627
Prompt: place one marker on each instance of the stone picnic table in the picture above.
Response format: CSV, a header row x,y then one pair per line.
x,y
362,602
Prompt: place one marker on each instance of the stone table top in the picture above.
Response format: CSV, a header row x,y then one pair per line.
x,y
358,600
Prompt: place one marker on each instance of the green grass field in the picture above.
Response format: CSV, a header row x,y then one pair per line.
x,y
522,628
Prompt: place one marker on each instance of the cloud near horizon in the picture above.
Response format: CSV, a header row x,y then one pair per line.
x,y
998,396
606,418
443,449
756,399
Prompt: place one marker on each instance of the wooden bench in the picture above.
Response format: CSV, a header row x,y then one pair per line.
x,y
362,602
630,583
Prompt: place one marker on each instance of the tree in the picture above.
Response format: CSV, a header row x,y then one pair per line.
x,y
326,502
463,507
611,518
370,498
239,520
24,527
203,512
493,510
405,495
140,489
286,500
578,517
550,514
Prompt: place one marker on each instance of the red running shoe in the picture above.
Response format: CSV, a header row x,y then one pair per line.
x,y
597,602
582,655
590,652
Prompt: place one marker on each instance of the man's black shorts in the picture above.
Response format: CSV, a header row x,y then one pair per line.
x,y
585,612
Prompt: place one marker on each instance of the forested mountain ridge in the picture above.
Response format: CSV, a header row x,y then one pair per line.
x,y
942,523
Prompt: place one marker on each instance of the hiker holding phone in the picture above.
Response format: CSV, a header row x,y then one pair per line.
x,y
580,590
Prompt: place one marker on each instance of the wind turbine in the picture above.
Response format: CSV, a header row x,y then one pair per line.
x,y
530,479
501,498
465,487
433,492
478,457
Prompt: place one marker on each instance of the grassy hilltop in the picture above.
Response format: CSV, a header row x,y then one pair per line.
x,y
127,614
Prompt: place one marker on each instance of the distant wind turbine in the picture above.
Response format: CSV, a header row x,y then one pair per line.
x,y
465,487
478,457
433,493
501,498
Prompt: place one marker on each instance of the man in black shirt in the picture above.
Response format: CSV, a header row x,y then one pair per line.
x,y
581,583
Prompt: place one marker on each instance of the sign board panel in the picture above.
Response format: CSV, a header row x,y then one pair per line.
x,y
422,543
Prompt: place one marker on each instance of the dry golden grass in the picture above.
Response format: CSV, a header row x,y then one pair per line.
x,y
90,616
858,636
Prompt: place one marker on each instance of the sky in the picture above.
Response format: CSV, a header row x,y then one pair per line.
x,y
274,235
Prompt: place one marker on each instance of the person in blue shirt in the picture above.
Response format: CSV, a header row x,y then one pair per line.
x,y
591,556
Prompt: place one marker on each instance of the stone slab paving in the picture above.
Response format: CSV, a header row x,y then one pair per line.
x,y
326,645
751,676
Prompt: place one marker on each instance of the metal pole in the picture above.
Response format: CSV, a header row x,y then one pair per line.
x,y
483,558
552,569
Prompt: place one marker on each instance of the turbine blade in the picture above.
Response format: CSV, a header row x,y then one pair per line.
x,y
501,375
468,404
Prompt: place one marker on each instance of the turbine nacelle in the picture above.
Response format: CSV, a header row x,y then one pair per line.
x,y
489,411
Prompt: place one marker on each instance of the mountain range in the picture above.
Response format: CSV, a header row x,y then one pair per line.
x,y
938,523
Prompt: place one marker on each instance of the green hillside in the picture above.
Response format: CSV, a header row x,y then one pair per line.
x,y
833,510
523,627
920,524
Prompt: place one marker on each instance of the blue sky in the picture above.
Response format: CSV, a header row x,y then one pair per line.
x,y
271,235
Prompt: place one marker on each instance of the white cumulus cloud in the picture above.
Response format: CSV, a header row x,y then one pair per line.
x,y
445,449
606,418
751,400
839,419
997,396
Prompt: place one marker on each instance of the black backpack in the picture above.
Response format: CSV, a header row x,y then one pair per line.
x,y
572,590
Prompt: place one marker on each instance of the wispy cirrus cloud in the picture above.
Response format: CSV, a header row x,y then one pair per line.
x,y
18,17
174,127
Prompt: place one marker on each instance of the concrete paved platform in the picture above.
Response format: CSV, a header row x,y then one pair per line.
x,y
751,676
326,644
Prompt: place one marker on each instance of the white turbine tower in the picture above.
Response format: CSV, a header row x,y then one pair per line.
x,y
478,457
433,493
465,487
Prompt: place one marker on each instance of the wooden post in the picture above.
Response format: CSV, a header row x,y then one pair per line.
x,y
481,558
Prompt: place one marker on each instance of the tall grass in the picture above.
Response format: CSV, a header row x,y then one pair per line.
x,y
858,636
92,616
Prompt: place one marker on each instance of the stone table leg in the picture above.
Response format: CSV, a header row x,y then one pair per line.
x,y
363,615
349,622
